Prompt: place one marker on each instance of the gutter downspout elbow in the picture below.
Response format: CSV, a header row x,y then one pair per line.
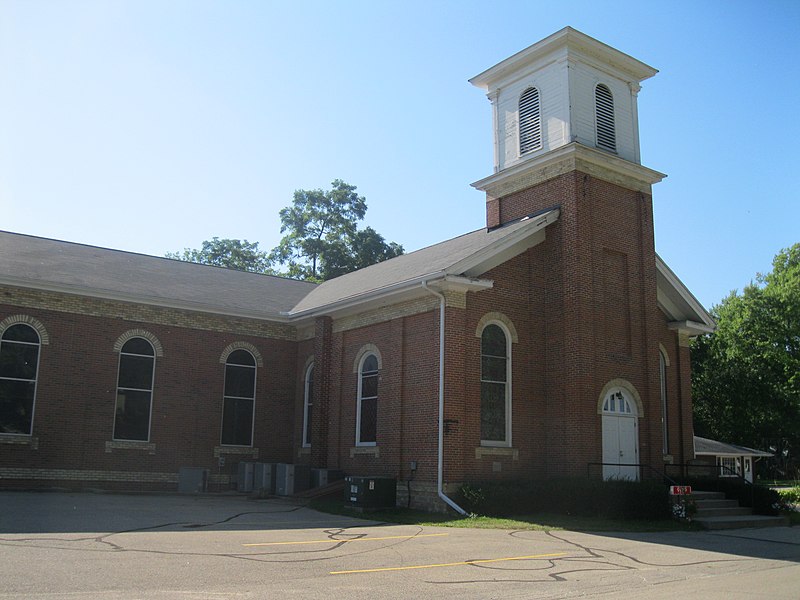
x,y
440,464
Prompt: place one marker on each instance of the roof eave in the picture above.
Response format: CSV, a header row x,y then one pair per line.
x,y
102,294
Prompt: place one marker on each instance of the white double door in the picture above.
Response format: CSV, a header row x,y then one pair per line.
x,y
620,446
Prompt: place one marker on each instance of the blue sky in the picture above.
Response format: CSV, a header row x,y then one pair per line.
x,y
150,126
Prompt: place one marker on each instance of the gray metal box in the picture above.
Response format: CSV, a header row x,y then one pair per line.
x,y
320,477
291,479
192,480
264,477
244,479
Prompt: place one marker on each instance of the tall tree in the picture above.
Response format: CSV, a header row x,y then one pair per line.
x,y
746,375
321,236
231,254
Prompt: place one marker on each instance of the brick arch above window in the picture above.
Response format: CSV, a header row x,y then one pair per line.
x,y
44,337
664,353
367,349
231,348
139,333
627,387
497,317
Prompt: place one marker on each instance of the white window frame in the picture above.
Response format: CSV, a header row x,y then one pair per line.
x,y
35,379
360,398
151,390
731,463
307,395
507,442
225,397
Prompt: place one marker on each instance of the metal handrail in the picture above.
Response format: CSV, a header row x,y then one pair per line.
x,y
638,465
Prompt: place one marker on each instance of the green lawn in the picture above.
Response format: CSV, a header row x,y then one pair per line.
x,y
538,522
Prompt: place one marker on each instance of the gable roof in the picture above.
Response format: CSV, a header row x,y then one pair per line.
x,y
705,446
45,264
684,311
468,256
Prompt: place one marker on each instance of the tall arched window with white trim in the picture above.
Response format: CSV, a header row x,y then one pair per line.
x,y
604,118
367,409
495,386
137,361
19,368
308,405
239,399
530,123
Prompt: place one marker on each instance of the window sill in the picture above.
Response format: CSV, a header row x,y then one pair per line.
x,y
20,440
304,451
236,451
365,450
148,447
481,451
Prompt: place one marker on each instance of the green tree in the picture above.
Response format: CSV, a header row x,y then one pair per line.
x,y
321,236
746,375
231,254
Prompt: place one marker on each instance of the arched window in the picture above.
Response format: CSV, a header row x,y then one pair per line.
x,y
137,362
604,118
19,365
239,399
617,403
308,405
662,370
530,124
495,386
367,410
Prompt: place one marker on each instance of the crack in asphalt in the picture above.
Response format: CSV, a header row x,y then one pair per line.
x,y
596,557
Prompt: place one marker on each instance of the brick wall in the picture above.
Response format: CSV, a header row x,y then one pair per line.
x,y
76,394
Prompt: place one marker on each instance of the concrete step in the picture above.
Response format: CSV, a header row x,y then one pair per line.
x,y
732,511
741,522
716,503
699,495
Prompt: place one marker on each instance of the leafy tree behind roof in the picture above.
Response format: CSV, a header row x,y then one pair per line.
x,y
746,375
240,255
321,236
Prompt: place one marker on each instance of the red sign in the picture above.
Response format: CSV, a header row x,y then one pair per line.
x,y
680,490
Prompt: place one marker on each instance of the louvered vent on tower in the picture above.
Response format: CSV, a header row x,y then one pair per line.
x,y
604,116
530,123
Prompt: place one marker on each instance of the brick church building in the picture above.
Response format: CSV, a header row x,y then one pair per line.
x,y
551,339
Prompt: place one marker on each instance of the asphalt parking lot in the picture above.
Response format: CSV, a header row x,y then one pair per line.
x,y
65,545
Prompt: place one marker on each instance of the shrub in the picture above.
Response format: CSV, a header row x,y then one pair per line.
x,y
615,499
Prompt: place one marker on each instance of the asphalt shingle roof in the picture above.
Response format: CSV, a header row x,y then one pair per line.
x,y
64,266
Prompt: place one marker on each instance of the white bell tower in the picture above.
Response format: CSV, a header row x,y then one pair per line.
x,y
566,88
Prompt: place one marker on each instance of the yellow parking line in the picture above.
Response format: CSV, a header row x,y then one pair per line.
x,y
455,564
328,541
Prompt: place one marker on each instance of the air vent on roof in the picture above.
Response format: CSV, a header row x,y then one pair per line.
x,y
604,116
530,124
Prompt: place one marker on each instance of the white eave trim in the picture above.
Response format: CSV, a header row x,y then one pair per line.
x,y
538,223
706,323
573,39
690,328
437,279
570,157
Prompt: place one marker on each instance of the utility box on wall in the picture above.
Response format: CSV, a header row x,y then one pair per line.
x,y
321,477
264,477
370,492
244,477
291,479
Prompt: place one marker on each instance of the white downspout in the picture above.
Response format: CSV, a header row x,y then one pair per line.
x,y
440,466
